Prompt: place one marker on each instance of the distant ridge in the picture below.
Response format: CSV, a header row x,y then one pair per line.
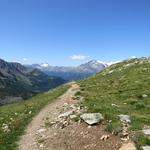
x,y
72,73
18,82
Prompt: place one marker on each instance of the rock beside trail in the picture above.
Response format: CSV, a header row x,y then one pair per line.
x,y
125,118
41,130
92,118
146,147
73,116
128,146
66,114
146,131
105,137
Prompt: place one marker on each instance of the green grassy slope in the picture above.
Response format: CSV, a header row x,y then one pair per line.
x,y
127,85
15,117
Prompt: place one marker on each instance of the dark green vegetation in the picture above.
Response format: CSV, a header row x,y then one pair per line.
x,y
15,117
18,82
123,88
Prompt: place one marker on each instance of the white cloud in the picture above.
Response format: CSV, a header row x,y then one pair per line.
x,y
24,59
79,57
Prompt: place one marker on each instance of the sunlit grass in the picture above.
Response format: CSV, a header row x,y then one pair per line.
x,y
127,85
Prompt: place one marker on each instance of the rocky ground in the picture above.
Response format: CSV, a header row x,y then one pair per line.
x,y
64,125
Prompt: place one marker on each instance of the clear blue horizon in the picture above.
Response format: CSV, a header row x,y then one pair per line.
x,y
70,32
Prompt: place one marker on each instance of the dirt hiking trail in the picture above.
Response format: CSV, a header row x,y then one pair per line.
x,y
45,133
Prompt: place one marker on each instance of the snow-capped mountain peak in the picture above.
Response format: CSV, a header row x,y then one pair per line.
x,y
93,66
102,62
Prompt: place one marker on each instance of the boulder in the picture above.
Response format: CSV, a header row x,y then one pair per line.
x,y
92,118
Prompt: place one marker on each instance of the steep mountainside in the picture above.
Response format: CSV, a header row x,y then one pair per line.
x,y
18,82
72,73
122,88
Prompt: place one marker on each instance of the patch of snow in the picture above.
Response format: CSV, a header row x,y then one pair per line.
x,y
112,62
103,63
44,65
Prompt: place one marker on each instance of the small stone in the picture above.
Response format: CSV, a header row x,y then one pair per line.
x,y
65,124
114,105
125,118
16,114
41,145
144,96
55,134
11,119
65,104
89,127
146,131
52,123
105,137
92,118
125,134
66,114
30,112
125,139
146,147
41,130
73,116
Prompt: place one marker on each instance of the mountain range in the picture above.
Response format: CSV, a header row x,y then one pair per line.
x,y
72,73
18,82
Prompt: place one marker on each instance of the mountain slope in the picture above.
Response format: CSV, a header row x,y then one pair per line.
x,y
71,73
18,82
122,88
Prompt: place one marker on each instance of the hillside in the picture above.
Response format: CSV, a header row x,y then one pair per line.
x,y
122,88
18,82
71,73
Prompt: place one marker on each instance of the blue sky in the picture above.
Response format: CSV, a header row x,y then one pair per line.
x,y
70,32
